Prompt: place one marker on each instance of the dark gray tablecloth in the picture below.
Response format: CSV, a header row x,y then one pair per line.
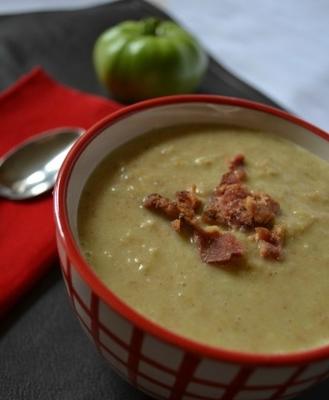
x,y
44,354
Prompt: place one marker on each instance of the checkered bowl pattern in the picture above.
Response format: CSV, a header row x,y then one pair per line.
x,y
158,362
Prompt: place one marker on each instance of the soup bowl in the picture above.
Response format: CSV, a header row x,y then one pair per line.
x,y
154,359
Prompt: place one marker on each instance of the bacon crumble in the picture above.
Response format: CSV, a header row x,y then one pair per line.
x,y
157,202
180,210
232,205
236,173
270,242
219,249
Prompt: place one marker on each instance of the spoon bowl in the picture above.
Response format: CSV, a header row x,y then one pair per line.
x,y
31,168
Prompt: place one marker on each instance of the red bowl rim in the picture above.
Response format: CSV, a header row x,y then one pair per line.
x,y
73,253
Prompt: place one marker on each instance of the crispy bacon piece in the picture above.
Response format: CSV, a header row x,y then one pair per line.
x,y
218,248
236,173
180,210
233,205
160,203
227,208
270,242
176,224
230,178
188,202
184,221
262,208
236,162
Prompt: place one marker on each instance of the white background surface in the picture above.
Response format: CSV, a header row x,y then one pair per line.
x,y
279,47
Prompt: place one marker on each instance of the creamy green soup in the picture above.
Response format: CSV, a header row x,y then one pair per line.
x,y
259,305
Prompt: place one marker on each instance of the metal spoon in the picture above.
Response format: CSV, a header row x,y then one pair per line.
x,y
30,169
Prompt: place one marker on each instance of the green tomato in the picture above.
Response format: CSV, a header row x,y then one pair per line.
x,y
138,60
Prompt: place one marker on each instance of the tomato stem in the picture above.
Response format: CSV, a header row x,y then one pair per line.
x,y
150,26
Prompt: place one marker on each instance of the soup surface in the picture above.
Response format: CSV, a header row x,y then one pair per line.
x,y
259,305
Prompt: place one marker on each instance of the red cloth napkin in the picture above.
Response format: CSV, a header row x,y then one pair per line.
x,y
27,241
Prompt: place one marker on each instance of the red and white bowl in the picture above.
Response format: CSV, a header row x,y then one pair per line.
x,y
156,360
